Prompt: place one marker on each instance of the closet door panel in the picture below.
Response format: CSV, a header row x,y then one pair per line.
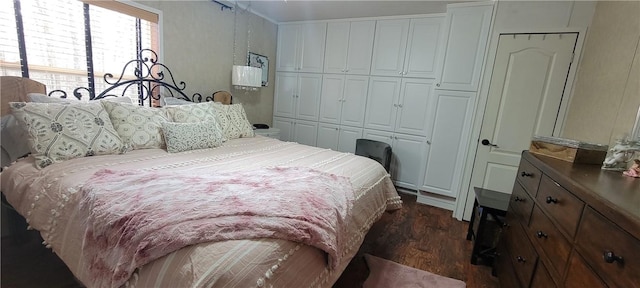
x,y
389,47
331,101
360,47
382,103
354,100
337,46
413,107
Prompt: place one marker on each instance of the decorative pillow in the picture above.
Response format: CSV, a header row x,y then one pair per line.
x,y
229,131
196,112
172,101
138,126
58,132
238,118
13,140
190,136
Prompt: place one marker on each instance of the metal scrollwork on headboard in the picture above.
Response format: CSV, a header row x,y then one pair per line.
x,y
151,79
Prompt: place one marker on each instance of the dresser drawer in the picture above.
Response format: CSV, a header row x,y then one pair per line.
x,y
597,238
521,204
504,269
580,275
529,177
542,279
560,204
523,255
546,235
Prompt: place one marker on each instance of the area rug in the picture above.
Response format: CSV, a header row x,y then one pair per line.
x,y
386,274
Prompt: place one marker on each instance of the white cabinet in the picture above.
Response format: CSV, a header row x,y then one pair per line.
x,y
301,47
300,131
297,95
343,99
349,46
406,47
467,31
452,113
339,138
408,156
398,105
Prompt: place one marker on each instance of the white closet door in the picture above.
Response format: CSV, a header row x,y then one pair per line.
x,y
389,47
285,94
382,103
422,47
382,136
409,152
354,100
331,100
348,137
449,140
312,47
360,47
328,135
305,132
287,57
413,107
308,96
286,128
335,60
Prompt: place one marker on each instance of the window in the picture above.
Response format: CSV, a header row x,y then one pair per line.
x,y
69,44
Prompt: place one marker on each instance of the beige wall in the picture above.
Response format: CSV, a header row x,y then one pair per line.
x,y
607,90
198,48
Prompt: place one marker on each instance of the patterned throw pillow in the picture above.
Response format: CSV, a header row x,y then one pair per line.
x,y
239,119
191,113
233,121
190,136
59,132
139,127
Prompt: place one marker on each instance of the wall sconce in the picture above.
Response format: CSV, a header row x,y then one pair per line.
x,y
246,77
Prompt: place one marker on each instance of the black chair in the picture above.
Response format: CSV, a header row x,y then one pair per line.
x,y
376,150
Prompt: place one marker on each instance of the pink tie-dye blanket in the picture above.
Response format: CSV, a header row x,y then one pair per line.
x,y
134,217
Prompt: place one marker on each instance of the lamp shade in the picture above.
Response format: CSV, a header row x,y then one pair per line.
x,y
246,76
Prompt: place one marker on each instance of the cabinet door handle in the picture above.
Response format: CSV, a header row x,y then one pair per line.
x,y
400,73
610,257
525,174
550,200
521,259
400,105
541,234
437,84
428,142
395,105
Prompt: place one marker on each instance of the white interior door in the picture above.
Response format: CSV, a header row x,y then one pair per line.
x,y
525,92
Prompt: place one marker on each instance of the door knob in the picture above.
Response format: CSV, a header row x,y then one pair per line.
x,y
486,142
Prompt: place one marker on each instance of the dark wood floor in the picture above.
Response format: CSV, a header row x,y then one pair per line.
x,y
419,236
422,237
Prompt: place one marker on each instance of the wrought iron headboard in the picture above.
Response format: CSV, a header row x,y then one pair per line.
x,y
150,82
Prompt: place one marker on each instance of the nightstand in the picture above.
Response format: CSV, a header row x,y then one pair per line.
x,y
271,132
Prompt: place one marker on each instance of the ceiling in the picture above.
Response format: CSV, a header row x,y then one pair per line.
x,y
305,10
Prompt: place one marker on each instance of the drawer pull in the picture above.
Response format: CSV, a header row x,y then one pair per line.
x,y
521,259
518,199
525,174
550,200
609,257
541,234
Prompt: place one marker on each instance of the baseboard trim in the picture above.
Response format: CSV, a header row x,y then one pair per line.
x,y
436,200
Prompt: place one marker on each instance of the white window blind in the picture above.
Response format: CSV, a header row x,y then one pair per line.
x,y
56,48
9,51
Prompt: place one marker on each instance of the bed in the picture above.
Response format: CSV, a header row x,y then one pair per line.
x,y
53,201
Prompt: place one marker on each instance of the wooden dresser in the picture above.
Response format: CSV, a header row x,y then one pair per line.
x,y
570,226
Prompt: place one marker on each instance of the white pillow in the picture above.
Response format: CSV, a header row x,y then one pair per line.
x,y
41,98
139,127
172,101
190,136
196,112
229,130
13,140
58,132
238,118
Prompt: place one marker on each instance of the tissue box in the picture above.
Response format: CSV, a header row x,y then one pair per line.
x,y
569,150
